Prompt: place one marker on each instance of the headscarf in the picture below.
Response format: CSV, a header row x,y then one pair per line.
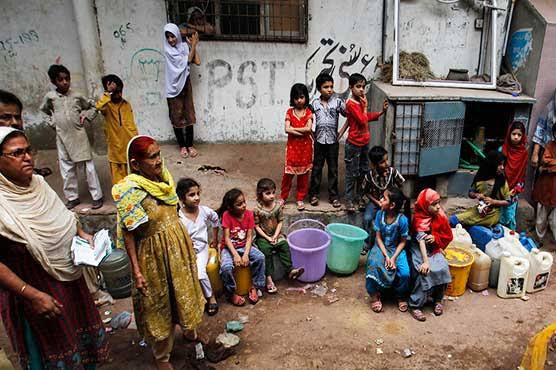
x,y
177,65
436,225
192,10
130,192
36,217
487,171
516,156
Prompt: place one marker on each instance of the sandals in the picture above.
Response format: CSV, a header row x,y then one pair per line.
x,y
402,306
376,305
192,152
184,152
253,296
211,308
350,208
438,309
336,203
300,205
271,288
237,300
418,315
314,201
296,273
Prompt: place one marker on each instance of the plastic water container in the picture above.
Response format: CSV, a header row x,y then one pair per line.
x,y
460,261
511,243
480,270
309,247
461,235
527,242
345,248
116,272
494,250
539,270
213,272
513,276
243,278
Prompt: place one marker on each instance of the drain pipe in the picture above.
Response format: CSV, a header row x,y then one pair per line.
x,y
508,28
384,20
89,42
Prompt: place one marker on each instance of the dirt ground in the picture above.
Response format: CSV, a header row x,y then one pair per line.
x,y
292,330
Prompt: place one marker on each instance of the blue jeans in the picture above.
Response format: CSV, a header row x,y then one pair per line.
x,y
357,164
256,262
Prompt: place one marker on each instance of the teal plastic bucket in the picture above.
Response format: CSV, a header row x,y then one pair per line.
x,y
345,248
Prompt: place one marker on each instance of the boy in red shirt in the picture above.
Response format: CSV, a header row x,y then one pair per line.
x,y
357,144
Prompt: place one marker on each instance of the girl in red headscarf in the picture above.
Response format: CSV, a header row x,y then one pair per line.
x,y
515,151
433,234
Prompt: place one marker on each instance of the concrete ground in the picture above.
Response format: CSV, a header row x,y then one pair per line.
x,y
296,330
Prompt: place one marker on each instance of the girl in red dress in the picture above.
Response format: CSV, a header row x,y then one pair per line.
x,y
299,148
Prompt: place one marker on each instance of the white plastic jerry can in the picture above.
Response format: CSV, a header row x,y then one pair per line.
x,y
512,280
461,236
539,270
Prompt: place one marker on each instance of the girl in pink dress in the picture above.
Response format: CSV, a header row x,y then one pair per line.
x,y
299,148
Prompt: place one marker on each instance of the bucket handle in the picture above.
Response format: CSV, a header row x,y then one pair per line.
x,y
305,220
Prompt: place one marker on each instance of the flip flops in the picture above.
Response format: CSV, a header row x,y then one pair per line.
x,y
253,296
296,273
271,288
418,315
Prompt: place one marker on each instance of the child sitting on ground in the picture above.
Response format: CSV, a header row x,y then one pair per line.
x,y
380,177
491,190
516,153
299,147
357,144
269,219
195,218
119,125
387,265
544,191
433,234
67,111
327,110
237,247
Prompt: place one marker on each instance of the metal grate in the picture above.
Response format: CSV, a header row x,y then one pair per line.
x,y
243,20
407,136
441,133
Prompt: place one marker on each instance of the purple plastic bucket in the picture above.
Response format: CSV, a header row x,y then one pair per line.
x,y
309,247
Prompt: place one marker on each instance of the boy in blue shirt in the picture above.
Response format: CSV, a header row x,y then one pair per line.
x,y
327,109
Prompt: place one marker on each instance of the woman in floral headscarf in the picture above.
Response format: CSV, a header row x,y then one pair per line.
x,y
166,290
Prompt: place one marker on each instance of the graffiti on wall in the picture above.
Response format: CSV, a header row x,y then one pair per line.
x,y
520,46
146,74
250,79
338,60
10,45
121,33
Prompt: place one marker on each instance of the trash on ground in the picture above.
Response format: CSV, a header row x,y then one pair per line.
x,y
106,320
216,352
379,341
308,286
216,169
199,353
309,318
333,290
243,318
407,352
142,343
107,312
485,292
332,299
294,289
108,329
228,340
234,326
121,320
320,290
379,351
449,355
525,298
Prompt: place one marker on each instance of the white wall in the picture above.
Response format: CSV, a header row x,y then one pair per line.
x,y
241,89
34,35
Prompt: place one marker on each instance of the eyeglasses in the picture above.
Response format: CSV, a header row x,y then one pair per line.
x,y
20,153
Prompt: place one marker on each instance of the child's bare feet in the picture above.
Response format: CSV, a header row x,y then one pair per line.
x,y
184,153
376,304
192,152
253,296
237,300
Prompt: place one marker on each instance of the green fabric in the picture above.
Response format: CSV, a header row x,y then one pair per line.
x,y
32,346
471,216
283,250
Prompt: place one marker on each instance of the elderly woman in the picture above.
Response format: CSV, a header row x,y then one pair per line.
x,y
166,290
46,308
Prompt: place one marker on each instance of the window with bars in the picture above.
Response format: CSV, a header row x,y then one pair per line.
x,y
242,20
